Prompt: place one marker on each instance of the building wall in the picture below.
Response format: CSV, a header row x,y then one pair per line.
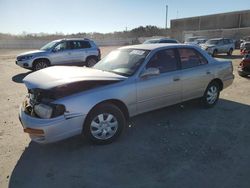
x,y
235,33
37,44
231,20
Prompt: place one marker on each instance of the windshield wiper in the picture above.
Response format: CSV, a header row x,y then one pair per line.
x,y
120,73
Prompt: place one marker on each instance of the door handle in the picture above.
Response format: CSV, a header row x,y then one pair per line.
x,y
176,79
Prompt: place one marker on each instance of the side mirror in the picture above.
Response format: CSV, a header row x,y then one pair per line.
x,y
150,72
54,50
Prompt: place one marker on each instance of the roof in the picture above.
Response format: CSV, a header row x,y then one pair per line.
x,y
154,46
69,39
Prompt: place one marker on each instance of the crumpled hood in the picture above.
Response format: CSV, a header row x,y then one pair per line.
x,y
33,52
61,75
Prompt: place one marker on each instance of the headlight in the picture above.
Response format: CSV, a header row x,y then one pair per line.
x,y
24,58
43,111
49,111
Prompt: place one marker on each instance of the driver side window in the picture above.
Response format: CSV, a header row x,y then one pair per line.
x,y
60,47
164,60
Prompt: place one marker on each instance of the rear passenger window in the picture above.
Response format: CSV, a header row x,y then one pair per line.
x,y
164,60
85,44
191,58
79,44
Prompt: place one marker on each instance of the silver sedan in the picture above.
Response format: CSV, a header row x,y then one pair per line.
x,y
98,101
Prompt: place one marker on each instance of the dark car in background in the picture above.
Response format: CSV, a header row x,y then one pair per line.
x,y
244,66
245,48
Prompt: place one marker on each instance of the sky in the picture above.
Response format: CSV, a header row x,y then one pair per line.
x,y
73,16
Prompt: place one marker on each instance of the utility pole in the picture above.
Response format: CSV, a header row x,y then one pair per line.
x,y
166,16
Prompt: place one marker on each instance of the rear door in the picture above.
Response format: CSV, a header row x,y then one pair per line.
x,y
79,51
196,73
163,89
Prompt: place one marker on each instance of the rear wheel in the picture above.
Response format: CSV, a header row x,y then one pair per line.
x,y
91,61
230,52
211,95
40,64
104,124
215,52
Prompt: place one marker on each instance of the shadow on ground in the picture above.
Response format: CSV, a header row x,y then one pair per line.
x,y
178,146
229,57
19,77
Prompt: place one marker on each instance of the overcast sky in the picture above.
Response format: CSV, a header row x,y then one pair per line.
x,y
72,16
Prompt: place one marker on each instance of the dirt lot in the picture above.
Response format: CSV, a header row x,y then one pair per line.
x,y
179,146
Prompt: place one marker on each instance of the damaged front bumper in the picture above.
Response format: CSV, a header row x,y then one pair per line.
x,y
54,129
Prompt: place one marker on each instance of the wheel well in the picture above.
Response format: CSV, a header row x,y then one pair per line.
x,y
41,59
92,56
115,102
219,82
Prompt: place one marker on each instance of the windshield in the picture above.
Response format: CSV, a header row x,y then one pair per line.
x,y
152,41
212,42
49,45
191,39
200,41
123,62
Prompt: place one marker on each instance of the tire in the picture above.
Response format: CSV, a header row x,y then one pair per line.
x,y
243,74
40,64
211,95
215,52
104,124
230,52
91,61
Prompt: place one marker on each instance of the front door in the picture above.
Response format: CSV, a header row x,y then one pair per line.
x,y
160,90
61,54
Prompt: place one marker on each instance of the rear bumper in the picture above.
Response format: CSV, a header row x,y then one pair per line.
x,y
51,130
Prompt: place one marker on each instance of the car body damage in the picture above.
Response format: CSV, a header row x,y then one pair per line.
x,y
61,91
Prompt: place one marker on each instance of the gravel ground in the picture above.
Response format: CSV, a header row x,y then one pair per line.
x,y
178,146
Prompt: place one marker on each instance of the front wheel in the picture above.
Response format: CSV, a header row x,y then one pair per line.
x,y
104,124
211,95
40,64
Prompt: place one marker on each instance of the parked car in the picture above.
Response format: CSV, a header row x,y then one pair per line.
x,y
219,45
97,102
200,41
244,66
161,40
193,40
61,52
245,48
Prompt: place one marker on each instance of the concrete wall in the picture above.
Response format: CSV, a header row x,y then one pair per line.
x,y
236,33
231,20
36,44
